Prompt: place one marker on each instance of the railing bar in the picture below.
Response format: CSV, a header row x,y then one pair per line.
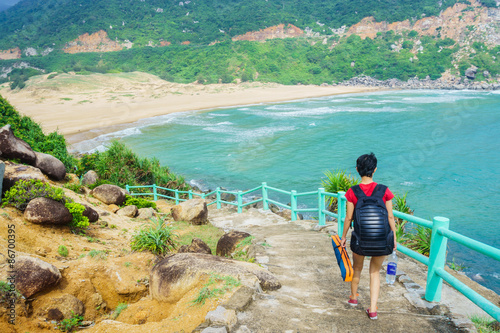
x,y
329,194
278,190
477,299
307,193
415,255
485,249
252,190
307,210
279,204
327,212
213,202
413,219
252,202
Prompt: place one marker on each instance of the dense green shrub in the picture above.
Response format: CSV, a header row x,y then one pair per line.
x,y
76,209
139,202
120,166
62,250
156,237
24,191
335,182
28,130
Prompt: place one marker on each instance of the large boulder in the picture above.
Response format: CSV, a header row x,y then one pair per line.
x,y
129,211
2,172
15,172
145,213
34,275
197,246
228,242
47,211
177,274
12,147
50,166
194,211
60,308
90,178
90,213
109,194
470,72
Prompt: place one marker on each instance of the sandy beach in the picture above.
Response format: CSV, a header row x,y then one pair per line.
x,y
75,104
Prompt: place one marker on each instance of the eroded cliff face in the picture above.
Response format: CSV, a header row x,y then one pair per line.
x,y
278,31
14,53
461,22
96,42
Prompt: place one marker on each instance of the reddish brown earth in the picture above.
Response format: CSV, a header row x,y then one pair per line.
x,y
96,42
278,31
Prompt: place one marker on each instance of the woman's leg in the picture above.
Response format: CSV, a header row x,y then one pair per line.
x,y
375,265
357,267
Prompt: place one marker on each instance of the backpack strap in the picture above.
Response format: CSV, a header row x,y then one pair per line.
x,y
379,191
358,192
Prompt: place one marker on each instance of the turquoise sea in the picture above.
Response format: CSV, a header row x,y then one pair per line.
x,y
440,147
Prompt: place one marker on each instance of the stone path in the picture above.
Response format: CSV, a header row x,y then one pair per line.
x,y
313,297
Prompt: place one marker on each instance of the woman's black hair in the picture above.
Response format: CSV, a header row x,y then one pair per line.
x,y
366,164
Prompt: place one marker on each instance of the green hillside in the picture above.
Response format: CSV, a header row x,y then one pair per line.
x,y
49,23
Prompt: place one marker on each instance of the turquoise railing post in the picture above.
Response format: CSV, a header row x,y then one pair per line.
x,y
127,189
437,259
217,192
155,194
190,194
321,205
240,202
341,211
293,204
176,197
265,204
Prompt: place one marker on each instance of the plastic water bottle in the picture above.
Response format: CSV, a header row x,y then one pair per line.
x,y
392,266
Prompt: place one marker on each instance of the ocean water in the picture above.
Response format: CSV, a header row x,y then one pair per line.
x,y
442,148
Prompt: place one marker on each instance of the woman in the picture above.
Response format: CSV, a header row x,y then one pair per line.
x,y
366,165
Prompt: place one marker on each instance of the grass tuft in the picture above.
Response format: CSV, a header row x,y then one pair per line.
x,y
156,237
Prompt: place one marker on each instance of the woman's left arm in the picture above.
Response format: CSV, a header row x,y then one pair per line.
x,y
392,223
347,222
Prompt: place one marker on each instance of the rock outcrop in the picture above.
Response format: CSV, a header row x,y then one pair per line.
x,y
12,147
15,172
129,211
96,42
228,242
47,211
50,165
90,213
90,178
145,213
109,194
60,308
194,211
196,246
278,31
34,275
177,274
14,53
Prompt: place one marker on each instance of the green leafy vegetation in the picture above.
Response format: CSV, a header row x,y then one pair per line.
x,y
98,254
241,251
76,209
70,324
214,289
118,310
53,23
156,237
485,324
120,166
62,250
335,182
28,130
207,233
139,202
456,266
24,191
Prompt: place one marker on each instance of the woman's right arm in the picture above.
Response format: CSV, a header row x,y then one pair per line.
x,y
347,222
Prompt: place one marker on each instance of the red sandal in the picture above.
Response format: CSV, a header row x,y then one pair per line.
x,y
371,315
353,302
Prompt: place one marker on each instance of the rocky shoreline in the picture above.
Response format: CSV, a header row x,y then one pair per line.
x,y
457,83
